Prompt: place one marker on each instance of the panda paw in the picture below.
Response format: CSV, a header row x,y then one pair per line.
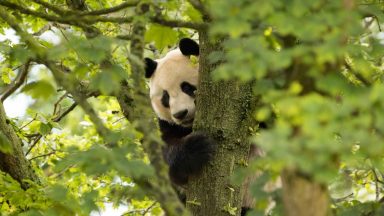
x,y
197,151
245,210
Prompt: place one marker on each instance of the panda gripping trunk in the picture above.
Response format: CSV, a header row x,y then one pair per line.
x,y
186,153
173,82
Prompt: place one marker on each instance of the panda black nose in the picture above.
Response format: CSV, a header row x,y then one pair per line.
x,y
180,115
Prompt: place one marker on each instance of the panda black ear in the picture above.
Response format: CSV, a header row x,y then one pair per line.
x,y
150,67
189,47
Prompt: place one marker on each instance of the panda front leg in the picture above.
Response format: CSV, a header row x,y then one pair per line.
x,y
189,156
185,152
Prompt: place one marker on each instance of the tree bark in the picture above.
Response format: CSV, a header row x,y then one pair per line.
x,y
222,113
303,197
15,163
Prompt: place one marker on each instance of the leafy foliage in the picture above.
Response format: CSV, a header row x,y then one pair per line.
x,y
316,65
324,103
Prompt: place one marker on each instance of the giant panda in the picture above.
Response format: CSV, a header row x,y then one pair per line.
x,y
173,81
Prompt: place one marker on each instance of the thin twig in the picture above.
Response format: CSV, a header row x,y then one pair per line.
x,y
58,118
30,136
34,118
57,104
124,37
43,155
343,198
149,208
42,30
357,75
378,22
142,211
56,175
118,120
35,141
377,189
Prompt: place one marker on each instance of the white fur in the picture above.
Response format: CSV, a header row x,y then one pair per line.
x,y
171,71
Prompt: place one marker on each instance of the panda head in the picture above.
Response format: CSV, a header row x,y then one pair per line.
x,y
173,81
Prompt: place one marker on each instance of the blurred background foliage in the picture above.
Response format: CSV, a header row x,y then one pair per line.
x,y
317,65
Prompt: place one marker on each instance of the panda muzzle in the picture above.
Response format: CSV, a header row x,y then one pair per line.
x,y
181,114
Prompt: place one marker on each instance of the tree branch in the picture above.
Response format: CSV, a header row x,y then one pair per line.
x,y
68,20
52,7
57,119
124,37
71,17
63,114
42,30
178,23
65,81
85,19
128,3
43,155
21,76
160,187
35,141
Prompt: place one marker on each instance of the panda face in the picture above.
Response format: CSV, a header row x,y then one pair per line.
x,y
173,82
172,88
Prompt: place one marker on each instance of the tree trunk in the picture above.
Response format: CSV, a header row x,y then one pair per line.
x,y
303,197
15,163
222,113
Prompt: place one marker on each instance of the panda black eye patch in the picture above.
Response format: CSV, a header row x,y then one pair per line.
x,y
165,99
188,88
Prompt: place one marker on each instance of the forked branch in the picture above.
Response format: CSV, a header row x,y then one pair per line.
x,y
19,80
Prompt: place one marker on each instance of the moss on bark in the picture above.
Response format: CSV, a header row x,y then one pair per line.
x,y
15,163
223,113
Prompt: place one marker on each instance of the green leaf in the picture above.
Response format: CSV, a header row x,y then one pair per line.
x,y
161,35
108,80
81,71
230,210
45,128
192,13
39,89
20,53
6,74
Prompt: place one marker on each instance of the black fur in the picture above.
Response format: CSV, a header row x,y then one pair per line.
x,y
172,133
186,153
263,125
188,88
150,67
244,211
165,99
189,47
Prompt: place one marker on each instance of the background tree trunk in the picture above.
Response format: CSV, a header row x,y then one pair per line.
x,y
223,113
303,197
